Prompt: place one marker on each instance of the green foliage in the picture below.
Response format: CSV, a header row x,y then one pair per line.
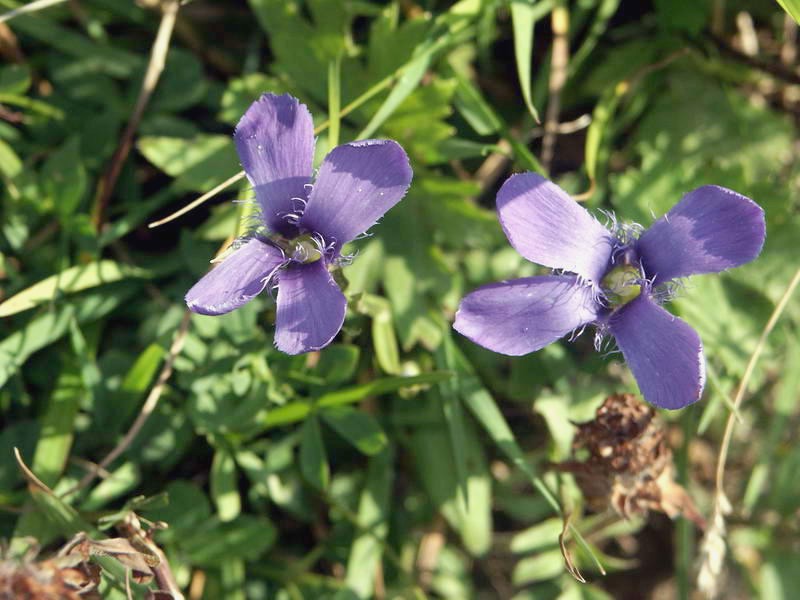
x,y
402,460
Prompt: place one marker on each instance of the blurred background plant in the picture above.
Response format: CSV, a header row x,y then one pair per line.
x,y
402,461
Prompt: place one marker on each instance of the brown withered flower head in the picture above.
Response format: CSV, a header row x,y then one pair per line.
x,y
629,468
65,577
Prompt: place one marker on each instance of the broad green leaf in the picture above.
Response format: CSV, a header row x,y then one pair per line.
x,y
224,486
74,279
313,458
358,428
523,18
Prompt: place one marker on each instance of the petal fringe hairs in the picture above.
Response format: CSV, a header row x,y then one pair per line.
x,y
302,226
615,280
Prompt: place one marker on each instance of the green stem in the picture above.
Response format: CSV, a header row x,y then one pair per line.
x,y
334,99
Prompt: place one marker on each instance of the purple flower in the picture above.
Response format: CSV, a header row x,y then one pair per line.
x,y
613,280
301,227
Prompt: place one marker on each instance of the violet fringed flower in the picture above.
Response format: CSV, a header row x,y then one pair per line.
x,y
302,226
614,280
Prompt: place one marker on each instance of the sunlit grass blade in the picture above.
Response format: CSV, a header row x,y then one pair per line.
x,y
57,427
407,83
70,281
792,7
29,8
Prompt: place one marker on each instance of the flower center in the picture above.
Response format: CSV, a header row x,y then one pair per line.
x,y
302,249
621,285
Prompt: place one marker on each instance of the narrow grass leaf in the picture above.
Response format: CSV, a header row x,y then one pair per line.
x,y
380,386
523,18
600,125
474,108
408,82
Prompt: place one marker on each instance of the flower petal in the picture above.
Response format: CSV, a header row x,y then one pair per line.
x,y
664,353
311,308
524,315
549,228
357,183
275,141
711,229
239,278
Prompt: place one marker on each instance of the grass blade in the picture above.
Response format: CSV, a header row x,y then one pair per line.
x,y
523,18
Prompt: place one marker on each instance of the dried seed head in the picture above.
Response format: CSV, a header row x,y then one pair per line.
x,y
48,579
629,467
